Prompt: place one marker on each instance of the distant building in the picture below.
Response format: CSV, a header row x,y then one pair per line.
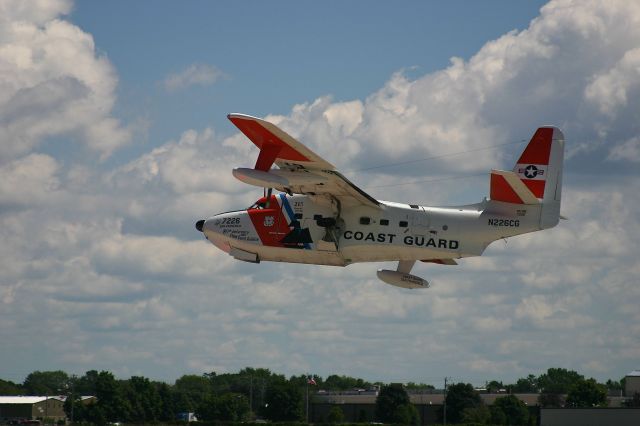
x,y
359,405
31,408
14,408
632,383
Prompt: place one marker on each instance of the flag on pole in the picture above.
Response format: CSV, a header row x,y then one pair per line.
x,y
311,381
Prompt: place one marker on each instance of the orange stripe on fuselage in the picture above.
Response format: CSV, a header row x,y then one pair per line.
x,y
270,224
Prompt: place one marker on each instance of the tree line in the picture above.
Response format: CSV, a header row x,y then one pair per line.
x,y
258,392
230,397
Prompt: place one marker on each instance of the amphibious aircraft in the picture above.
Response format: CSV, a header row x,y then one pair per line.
x,y
320,217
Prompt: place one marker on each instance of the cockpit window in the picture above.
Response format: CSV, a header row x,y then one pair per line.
x,y
258,205
262,204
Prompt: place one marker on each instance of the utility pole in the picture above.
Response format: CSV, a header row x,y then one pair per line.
x,y
445,402
251,396
73,381
307,402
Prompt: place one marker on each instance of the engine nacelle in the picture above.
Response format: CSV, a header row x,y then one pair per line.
x,y
400,279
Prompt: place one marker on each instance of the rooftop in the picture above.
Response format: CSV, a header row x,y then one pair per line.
x,y
26,399
21,399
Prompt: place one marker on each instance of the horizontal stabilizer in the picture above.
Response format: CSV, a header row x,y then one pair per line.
x,y
441,261
508,187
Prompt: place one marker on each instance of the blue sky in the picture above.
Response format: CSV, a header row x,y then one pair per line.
x,y
114,141
277,55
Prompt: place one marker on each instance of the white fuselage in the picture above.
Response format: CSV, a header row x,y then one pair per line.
x,y
317,230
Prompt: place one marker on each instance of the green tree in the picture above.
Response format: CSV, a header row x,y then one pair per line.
x,y
528,384
250,382
233,407
79,412
283,402
550,400
143,399
554,383
208,409
393,405
86,384
9,388
587,393
614,385
558,380
459,397
497,416
92,414
181,402
46,382
336,415
167,402
389,399
476,415
494,386
335,382
246,381
515,411
406,415
111,405
78,386
228,407
418,386
192,391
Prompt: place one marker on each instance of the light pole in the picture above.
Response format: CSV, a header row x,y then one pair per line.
x,y
73,381
445,402
251,397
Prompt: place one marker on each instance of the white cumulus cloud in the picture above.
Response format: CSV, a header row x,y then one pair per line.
x,y
52,81
107,256
193,75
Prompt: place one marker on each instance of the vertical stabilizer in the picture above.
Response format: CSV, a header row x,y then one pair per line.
x,y
540,169
536,179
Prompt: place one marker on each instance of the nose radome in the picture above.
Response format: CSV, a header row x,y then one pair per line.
x,y
200,225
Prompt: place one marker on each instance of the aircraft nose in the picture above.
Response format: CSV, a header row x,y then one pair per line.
x,y
200,225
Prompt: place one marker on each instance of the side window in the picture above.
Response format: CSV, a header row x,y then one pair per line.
x,y
404,224
384,222
365,220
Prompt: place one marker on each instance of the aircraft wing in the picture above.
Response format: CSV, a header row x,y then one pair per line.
x,y
300,170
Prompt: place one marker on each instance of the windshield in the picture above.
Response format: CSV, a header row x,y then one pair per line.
x,y
263,204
